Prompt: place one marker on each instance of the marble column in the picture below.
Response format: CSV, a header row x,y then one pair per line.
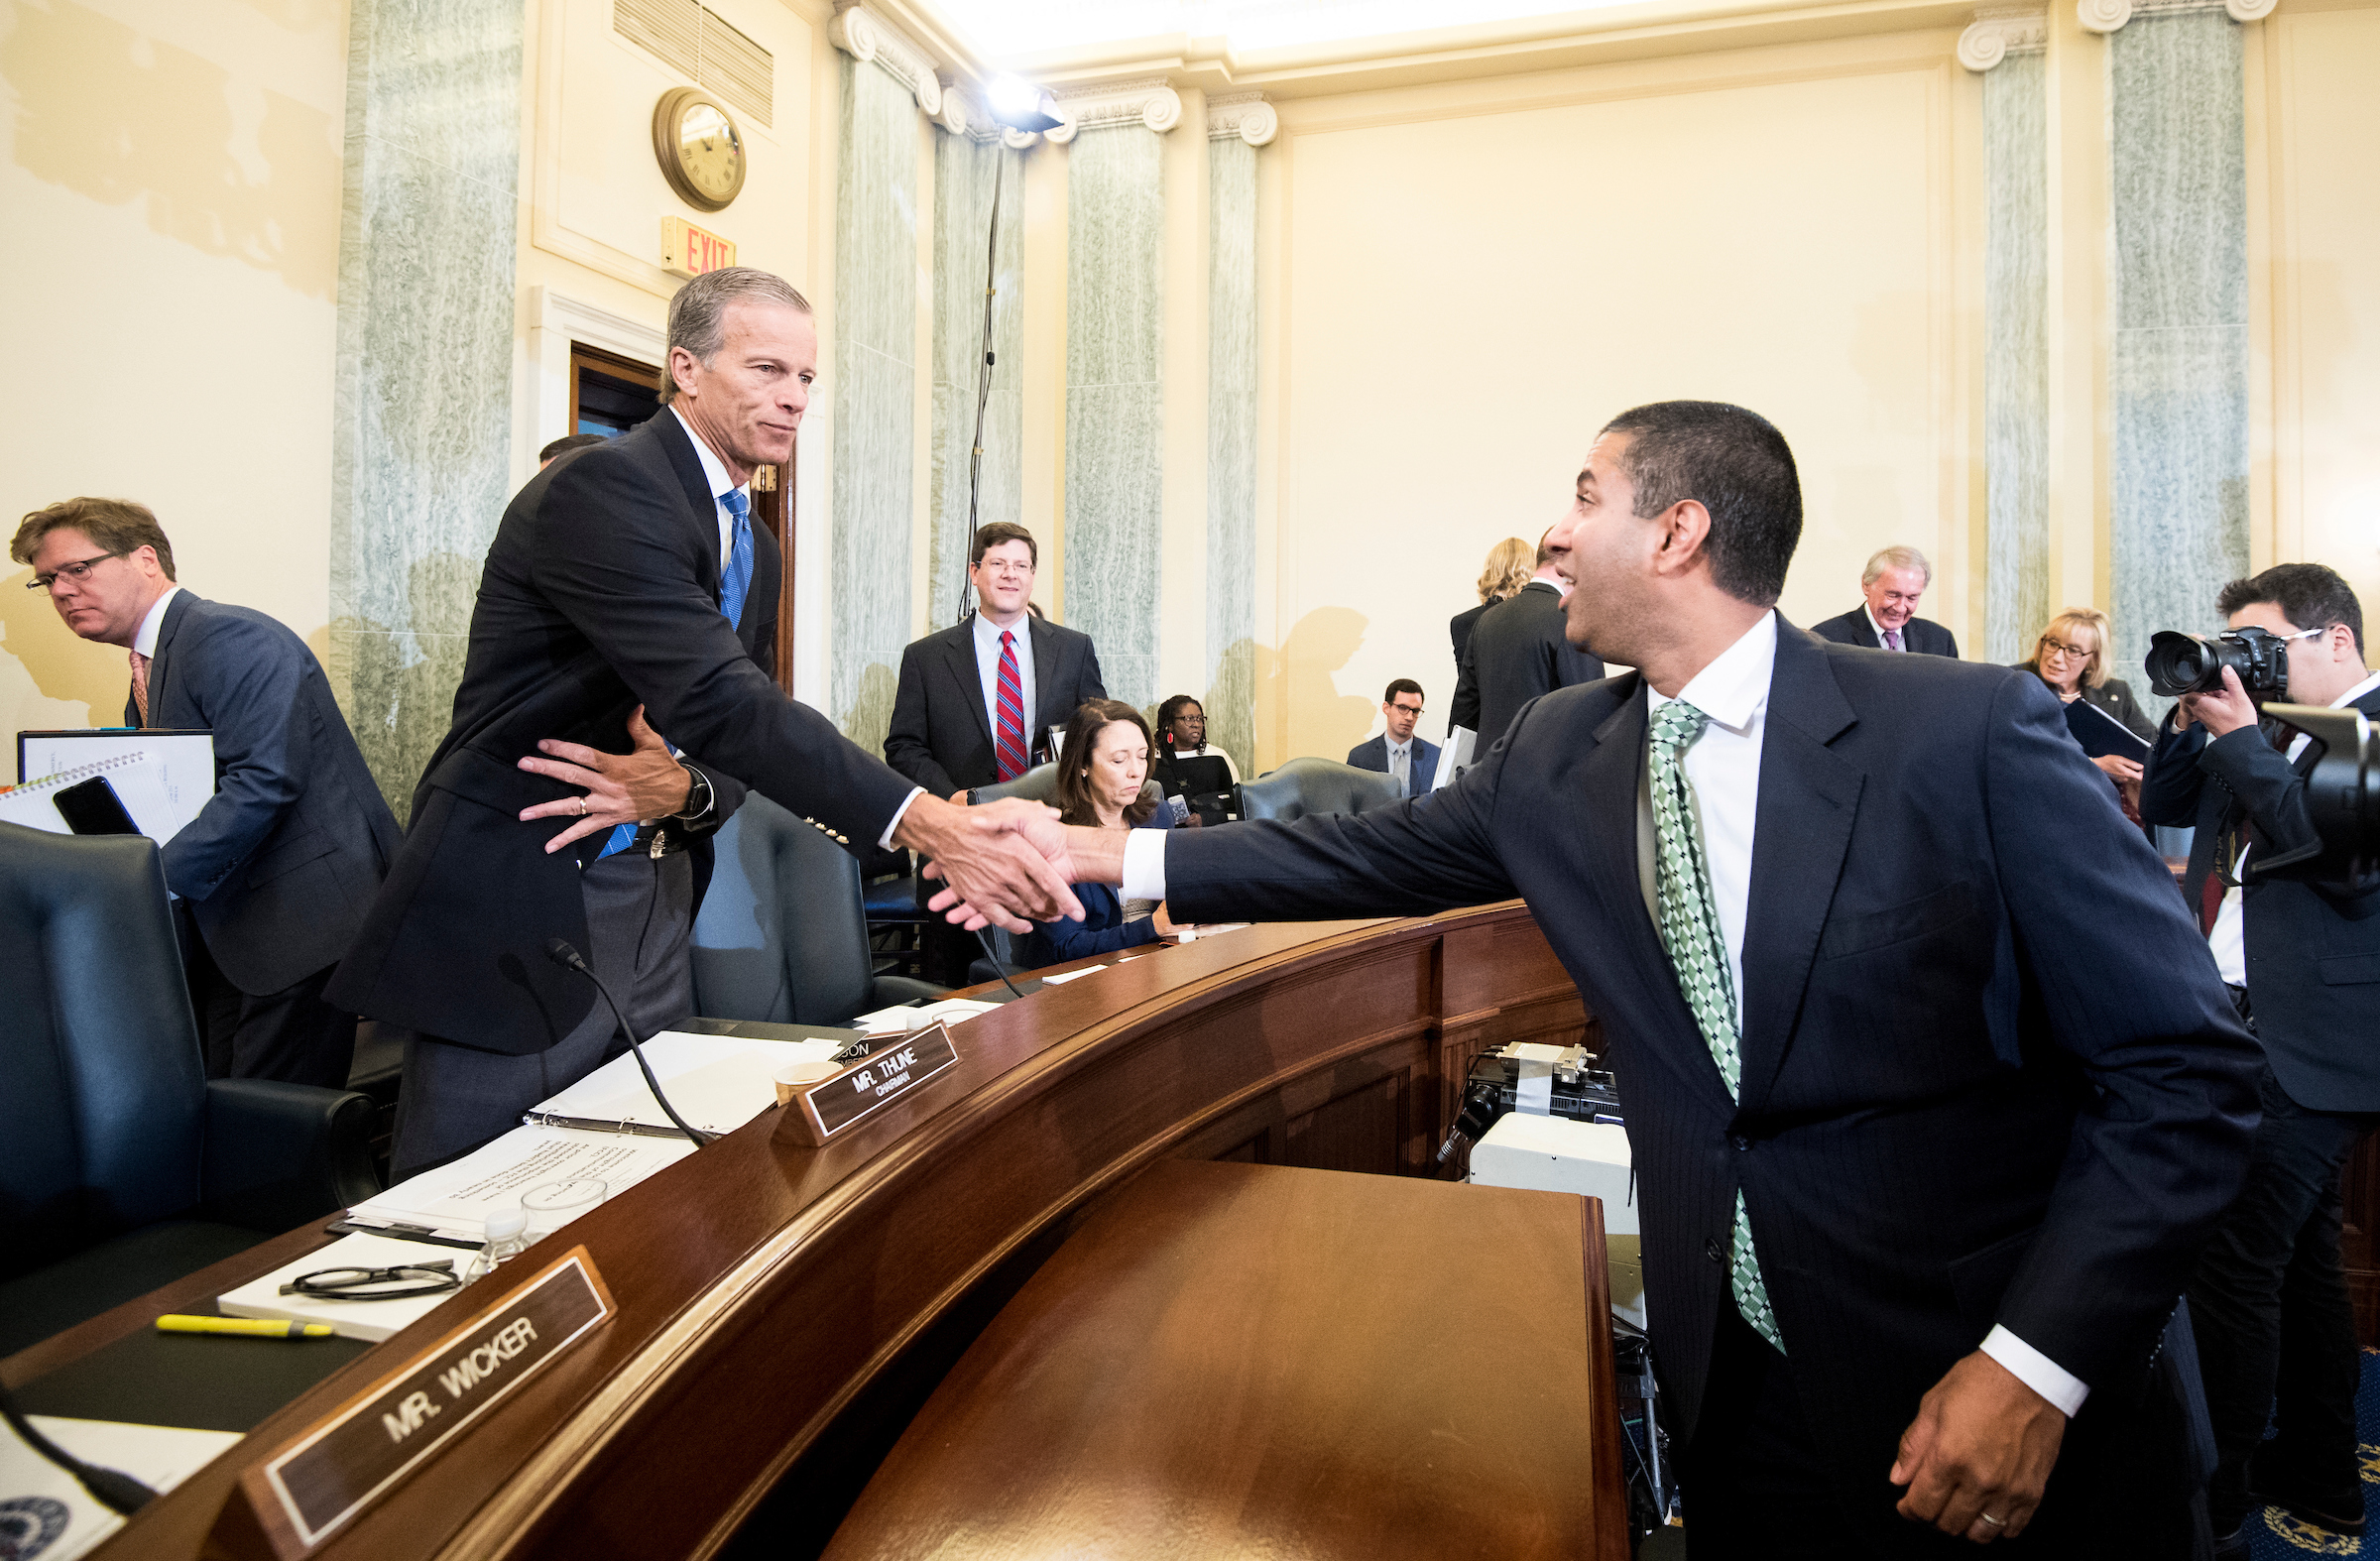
x,y
1235,126
2177,374
1114,361
965,161
2008,48
874,378
422,442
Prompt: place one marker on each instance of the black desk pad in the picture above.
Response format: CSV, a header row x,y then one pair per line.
x,y
204,1381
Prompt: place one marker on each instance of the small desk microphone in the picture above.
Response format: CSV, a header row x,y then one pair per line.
x,y
561,953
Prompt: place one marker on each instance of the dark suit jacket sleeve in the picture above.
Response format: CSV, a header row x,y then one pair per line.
x,y
1464,711
2171,781
1405,860
2127,987
2128,711
1056,943
1952,641
247,681
634,589
909,743
1091,685
2274,794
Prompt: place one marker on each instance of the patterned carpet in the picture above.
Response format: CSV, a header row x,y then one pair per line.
x,y
2275,1536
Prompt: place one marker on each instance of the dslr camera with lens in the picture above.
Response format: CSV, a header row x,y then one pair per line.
x,y
2193,663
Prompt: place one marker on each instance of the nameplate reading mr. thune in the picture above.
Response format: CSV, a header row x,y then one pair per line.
x,y
821,1111
305,1491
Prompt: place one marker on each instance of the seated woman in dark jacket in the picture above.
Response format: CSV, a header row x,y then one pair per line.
x,y
1101,768
2072,657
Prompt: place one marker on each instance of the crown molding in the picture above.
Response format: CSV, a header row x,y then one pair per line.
x,y
1149,101
1243,114
965,113
2109,16
873,39
2001,30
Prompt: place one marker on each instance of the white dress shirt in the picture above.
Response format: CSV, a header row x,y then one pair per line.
x,y
2228,938
1722,765
714,471
987,666
1877,630
153,623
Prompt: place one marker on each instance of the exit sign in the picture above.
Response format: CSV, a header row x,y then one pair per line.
x,y
690,251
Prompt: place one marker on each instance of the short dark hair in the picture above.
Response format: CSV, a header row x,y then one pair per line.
x,y
1545,554
117,525
566,443
1092,717
2310,595
993,532
1404,685
1736,465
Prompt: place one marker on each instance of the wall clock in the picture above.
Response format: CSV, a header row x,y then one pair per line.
x,y
702,152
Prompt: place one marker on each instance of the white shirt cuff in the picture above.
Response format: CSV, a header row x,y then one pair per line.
x,y
1144,865
883,841
2036,1370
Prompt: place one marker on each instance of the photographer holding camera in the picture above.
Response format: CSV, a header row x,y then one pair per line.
x,y
2269,1302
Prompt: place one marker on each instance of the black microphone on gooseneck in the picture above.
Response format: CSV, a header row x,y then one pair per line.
x,y
561,953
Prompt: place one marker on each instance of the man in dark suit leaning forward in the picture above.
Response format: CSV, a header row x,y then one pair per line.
x,y
624,579
1932,1105
972,700
274,876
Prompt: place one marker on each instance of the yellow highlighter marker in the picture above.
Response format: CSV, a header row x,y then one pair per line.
x,y
243,1327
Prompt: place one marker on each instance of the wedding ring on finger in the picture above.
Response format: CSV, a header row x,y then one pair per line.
x,y
1996,1523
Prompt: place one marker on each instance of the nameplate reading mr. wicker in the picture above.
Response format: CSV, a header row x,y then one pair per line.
x,y
821,1111
308,1489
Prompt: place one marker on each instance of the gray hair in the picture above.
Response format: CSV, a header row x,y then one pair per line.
x,y
1885,557
698,315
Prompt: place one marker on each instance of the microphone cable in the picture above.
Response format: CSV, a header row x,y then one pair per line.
x,y
997,968
561,953
112,1488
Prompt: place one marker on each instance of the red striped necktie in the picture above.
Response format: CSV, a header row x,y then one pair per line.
x,y
1012,710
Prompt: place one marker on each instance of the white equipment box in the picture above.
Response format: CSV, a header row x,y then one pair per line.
x,y
1591,1158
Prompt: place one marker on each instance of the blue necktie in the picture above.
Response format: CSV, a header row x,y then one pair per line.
x,y
734,584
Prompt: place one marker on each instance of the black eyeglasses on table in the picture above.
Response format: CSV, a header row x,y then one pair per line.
x,y
434,1278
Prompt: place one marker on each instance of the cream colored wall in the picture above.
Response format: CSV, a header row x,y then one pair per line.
x,y
2322,128
169,250
1467,279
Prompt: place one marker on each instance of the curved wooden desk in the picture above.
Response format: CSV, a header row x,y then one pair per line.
x,y
784,1310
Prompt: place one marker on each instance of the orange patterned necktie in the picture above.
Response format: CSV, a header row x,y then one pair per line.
x,y
140,686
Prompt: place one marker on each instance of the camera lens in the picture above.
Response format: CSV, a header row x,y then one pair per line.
x,y
2182,664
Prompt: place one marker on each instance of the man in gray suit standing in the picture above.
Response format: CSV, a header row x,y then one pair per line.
x,y
274,876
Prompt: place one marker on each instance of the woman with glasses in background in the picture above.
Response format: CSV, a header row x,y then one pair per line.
x,y
2072,657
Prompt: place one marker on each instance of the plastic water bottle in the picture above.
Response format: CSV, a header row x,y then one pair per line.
x,y
507,1238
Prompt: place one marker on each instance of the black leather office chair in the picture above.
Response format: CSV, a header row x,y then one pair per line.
x,y
783,936
1316,786
122,1166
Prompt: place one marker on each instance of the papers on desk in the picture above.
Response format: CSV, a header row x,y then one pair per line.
x,y
179,779
718,1083
453,1200
370,1321
44,1511
901,1019
1217,929
138,783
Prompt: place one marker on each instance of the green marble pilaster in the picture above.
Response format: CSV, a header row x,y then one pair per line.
x,y
421,444
875,390
2177,377
1232,447
2016,362
1115,406
963,176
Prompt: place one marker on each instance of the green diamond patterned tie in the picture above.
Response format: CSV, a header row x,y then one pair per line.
x,y
1690,932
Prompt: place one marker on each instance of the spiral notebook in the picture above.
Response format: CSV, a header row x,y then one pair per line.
x,y
139,785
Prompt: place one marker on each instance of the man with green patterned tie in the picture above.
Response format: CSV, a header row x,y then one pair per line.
x,y
1933,1091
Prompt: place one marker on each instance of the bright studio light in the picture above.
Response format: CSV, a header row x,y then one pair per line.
x,y
1021,105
